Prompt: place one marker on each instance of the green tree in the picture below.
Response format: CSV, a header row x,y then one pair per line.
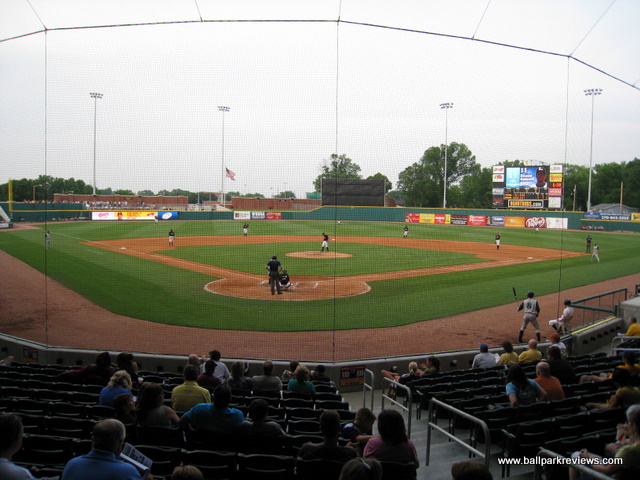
x,y
340,166
422,184
631,179
285,194
575,182
387,183
124,192
605,183
146,193
476,188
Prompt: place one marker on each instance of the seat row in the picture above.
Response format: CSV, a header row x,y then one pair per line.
x,y
240,466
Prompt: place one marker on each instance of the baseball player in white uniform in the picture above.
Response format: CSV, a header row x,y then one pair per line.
x,y
562,323
531,309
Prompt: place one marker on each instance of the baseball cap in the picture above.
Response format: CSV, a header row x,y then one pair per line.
x,y
555,337
541,170
484,347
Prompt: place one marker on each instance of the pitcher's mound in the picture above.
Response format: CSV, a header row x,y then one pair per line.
x,y
316,254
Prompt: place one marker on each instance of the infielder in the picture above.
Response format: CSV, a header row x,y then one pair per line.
x,y
325,242
405,232
562,323
498,237
596,252
273,267
172,237
531,311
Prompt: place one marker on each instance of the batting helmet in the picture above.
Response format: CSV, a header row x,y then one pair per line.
x,y
567,302
530,294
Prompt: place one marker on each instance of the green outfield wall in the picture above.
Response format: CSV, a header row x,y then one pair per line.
x,y
51,212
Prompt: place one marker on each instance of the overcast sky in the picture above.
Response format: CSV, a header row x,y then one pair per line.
x,y
308,86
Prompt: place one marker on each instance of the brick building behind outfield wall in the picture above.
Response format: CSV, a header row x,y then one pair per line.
x,y
129,200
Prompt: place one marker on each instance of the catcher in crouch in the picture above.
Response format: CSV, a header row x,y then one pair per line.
x,y
285,280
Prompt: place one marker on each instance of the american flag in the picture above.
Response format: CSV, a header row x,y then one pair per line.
x,y
231,174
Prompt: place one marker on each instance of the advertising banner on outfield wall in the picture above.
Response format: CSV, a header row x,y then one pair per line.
x,y
242,215
412,217
477,220
535,222
459,219
127,215
274,216
496,221
514,222
557,223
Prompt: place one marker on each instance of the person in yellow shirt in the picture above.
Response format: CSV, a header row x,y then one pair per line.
x,y
634,328
531,354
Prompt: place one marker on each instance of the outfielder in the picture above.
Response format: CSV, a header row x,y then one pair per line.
x,y
596,252
531,312
172,237
405,232
245,229
498,237
325,242
562,323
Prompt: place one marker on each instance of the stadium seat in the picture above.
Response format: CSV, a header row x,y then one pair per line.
x,y
318,469
214,465
265,467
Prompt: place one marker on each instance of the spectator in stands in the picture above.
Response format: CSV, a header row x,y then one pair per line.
x,y
470,470
549,384
217,417
531,354
414,373
194,359
521,390
560,367
625,395
125,407
289,374
221,371
119,383
266,383
102,462
320,374
392,444
259,425
359,432
125,362
634,328
629,453
300,383
432,365
6,362
556,342
208,379
237,378
101,372
329,449
189,393
361,469
187,472
509,357
628,363
484,359
151,410
626,434
10,444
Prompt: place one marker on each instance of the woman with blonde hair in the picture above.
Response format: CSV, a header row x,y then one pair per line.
x,y
300,382
119,383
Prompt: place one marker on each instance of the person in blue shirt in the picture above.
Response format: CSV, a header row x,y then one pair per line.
x,y
103,462
10,444
300,382
119,383
216,416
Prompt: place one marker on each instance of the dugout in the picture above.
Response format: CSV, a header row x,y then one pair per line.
x,y
353,192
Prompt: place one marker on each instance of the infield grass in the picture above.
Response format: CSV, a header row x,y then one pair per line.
x,y
151,291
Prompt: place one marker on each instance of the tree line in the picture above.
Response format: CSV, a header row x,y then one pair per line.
x,y
419,185
470,186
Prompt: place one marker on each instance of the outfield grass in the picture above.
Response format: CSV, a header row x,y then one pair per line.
x,y
148,290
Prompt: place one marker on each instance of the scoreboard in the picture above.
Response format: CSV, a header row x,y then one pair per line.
x,y
530,187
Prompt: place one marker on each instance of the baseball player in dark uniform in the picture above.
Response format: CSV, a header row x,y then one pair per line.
x,y
172,237
245,229
273,267
531,309
405,231
498,237
285,280
325,242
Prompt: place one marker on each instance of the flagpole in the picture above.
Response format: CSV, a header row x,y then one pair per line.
x,y
223,110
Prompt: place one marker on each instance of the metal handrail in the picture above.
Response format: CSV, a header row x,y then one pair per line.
x,y
368,386
486,455
621,339
409,399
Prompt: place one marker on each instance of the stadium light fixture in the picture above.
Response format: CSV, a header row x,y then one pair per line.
x,y
95,97
445,107
224,110
591,92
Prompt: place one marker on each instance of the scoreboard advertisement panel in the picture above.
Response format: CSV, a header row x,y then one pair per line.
x,y
528,187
